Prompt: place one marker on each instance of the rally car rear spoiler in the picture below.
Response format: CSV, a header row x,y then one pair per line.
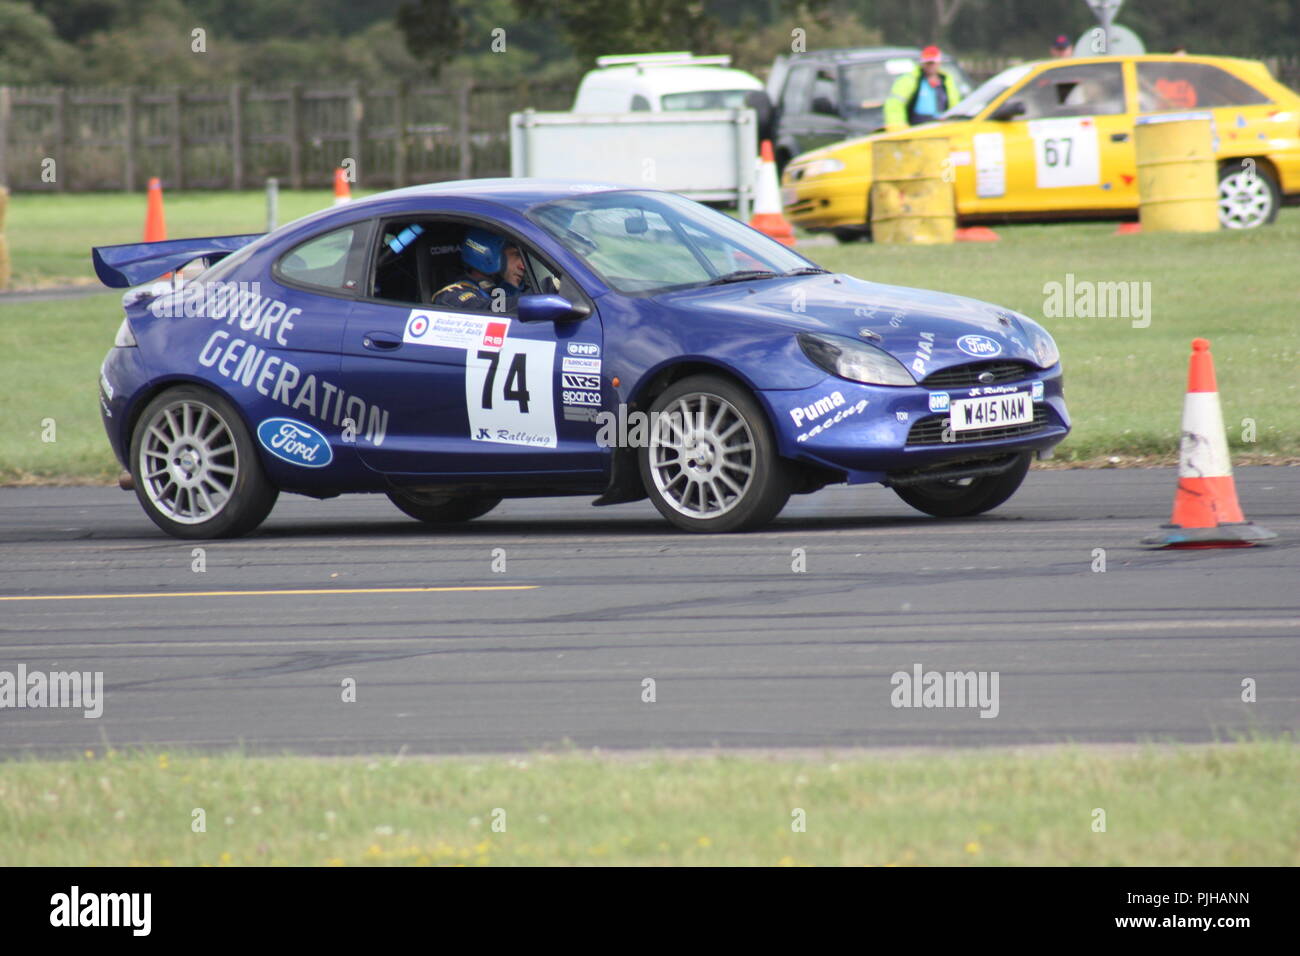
x,y
120,267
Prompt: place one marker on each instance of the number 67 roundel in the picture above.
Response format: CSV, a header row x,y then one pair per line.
x,y
508,393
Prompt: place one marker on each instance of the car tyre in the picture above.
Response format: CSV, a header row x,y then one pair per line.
x,y
961,499
848,236
710,464
196,471
434,508
1248,195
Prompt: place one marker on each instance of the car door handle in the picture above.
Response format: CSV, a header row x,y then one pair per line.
x,y
1119,137
381,341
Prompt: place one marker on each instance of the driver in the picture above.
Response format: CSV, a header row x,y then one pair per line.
x,y
491,263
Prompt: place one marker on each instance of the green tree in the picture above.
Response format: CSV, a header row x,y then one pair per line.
x,y
30,49
77,20
158,51
754,47
490,41
258,20
596,27
434,30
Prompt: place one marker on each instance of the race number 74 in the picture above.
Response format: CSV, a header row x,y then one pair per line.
x,y
515,386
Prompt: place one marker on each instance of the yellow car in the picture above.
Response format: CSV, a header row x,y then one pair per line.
x,y
1054,140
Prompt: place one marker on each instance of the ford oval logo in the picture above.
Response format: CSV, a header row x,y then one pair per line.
x,y
294,442
979,346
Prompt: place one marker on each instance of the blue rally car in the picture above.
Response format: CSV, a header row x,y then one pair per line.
x,y
456,344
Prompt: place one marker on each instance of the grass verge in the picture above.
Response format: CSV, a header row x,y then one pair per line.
x,y
1188,805
50,235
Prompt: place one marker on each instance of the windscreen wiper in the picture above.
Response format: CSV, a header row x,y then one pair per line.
x,y
742,275
807,271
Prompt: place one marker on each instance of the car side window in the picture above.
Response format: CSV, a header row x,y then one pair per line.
x,y
868,84
794,98
419,257
1185,86
825,85
403,269
331,261
640,104
543,279
1078,89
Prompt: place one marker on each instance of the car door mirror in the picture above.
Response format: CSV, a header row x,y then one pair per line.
x,y
550,308
823,106
1009,111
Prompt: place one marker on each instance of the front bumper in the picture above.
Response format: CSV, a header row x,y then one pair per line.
x,y
879,433
826,202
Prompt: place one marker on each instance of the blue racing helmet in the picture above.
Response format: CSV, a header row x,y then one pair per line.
x,y
484,251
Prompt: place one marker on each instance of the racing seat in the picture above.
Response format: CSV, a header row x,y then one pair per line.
x,y
441,259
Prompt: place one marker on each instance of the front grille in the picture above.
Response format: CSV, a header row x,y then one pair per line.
x,y
968,376
929,431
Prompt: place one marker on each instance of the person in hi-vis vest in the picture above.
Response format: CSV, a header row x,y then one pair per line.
x,y
921,95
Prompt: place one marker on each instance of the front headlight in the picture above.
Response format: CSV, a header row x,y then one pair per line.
x,y
856,361
820,167
1046,354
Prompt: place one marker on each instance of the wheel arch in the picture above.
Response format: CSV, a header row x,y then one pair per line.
x,y
811,475
1263,162
155,388
654,384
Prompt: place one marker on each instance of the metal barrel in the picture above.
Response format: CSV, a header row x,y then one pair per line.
x,y
1177,173
910,200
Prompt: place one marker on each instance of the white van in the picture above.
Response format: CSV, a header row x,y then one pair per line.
x,y
661,82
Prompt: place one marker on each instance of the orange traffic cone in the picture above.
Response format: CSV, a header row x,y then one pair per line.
x,y
975,234
1206,512
342,189
768,217
155,226
1127,229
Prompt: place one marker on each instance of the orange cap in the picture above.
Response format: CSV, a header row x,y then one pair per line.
x,y
931,54
1200,372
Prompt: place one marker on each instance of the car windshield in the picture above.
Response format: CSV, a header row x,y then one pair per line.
x,y
705,100
648,242
867,85
987,92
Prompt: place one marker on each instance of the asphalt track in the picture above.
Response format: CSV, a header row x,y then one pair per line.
x,y
745,651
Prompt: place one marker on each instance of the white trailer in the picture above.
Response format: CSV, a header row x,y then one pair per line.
x,y
705,155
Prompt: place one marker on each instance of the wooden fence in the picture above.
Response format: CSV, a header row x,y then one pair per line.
x,y
57,139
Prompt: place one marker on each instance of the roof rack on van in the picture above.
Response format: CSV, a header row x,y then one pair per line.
x,y
679,58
